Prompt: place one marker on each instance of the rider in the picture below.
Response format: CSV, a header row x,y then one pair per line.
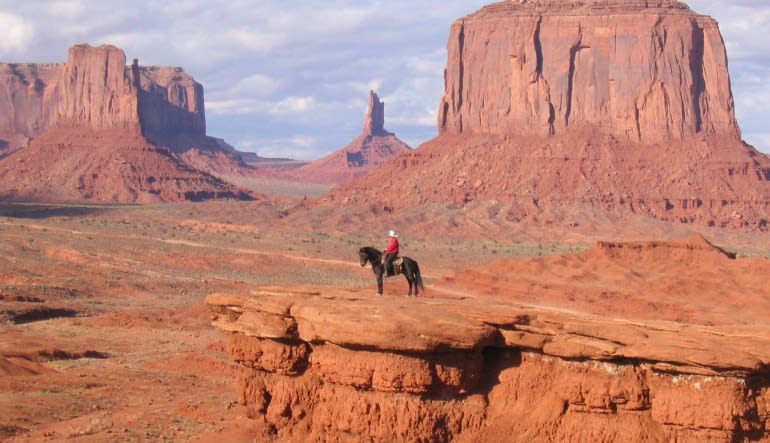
x,y
391,252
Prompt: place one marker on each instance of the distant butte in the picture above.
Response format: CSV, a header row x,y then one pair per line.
x,y
373,148
94,128
621,107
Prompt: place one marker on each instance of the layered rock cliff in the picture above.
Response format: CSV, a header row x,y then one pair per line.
x,y
95,89
95,128
560,356
619,106
374,147
642,71
28,101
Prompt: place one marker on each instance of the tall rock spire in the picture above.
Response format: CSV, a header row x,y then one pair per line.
x,y
374,121
372,148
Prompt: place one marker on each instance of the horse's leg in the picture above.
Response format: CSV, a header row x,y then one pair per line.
x,y
413,274
408,275
416,280
379,282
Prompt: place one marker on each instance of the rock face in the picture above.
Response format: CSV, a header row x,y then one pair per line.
x,y
610,105
94,113
642,71
374,121
76,165
370,150
28,102
95,89
495,362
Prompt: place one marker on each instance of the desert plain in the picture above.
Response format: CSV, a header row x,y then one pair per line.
x,y
106,337
105,334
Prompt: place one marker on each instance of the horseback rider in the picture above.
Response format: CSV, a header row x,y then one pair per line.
x,y
391,252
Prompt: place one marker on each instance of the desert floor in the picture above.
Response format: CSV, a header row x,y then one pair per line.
x,y
104,333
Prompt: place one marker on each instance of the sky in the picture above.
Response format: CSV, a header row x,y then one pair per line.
x,y
290,78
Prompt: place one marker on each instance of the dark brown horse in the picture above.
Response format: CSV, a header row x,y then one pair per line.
x,y
401,265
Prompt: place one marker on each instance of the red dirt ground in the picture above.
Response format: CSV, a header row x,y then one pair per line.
x,y
105,336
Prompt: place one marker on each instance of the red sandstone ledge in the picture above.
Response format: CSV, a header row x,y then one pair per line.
x,y
642,341
431,325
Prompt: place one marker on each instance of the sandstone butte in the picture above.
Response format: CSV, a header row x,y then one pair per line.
x,y
617,343
371,149
94,128
623,106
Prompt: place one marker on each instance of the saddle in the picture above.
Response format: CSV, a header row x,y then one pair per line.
x,y
397,266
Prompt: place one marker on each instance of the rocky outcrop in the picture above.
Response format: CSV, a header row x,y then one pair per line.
x,y
481,362
382,371
374,121
28,101
95,129
642,71
171,108
95,89
370,150
79,165
608,106
712,182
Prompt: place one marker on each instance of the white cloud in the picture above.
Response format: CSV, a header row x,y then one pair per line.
x,y
753,104
362,88
67,10
427,119
249,39
256,85
304,141
428,64
16,33
233,106
300,147
292,105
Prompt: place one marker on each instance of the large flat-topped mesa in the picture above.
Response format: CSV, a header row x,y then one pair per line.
x,y
96,90
95,128
644,71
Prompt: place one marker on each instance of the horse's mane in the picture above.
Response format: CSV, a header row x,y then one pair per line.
x,y
371,251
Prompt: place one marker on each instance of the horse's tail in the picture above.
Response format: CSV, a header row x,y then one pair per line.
x,y
417,276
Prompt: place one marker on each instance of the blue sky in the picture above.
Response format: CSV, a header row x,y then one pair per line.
x,y
291,78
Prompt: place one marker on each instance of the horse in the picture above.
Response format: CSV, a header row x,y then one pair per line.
x,y
401,265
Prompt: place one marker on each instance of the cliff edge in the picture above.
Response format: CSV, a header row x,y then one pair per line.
x,y
587,347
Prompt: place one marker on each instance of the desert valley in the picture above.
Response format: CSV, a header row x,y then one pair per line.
x,y
590,228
